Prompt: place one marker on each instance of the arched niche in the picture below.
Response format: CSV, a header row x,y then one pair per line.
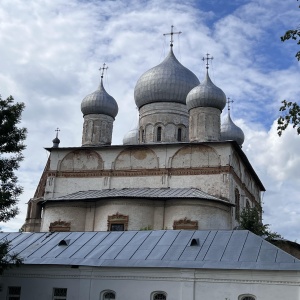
x,y
194,156
81,160
136,158
236,165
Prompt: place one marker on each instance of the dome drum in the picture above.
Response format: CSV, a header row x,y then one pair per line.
x,y
97,130
164,122
204,124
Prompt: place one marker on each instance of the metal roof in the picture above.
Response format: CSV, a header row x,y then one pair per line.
x,y
233,249
148,193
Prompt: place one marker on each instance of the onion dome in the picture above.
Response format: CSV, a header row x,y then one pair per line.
x,y
170,81
131,137
99,102
231,132
206,94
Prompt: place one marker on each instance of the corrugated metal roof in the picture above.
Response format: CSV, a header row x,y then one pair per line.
x,y
148,193
236,249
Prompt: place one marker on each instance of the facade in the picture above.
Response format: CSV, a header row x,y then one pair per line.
x,y
154,218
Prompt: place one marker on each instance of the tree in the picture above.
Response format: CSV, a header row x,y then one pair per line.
x,y
250,219
11,147
291,110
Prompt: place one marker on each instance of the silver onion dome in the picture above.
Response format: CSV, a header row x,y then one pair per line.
x,y
231,132
206,94
170,81
131,137
99,102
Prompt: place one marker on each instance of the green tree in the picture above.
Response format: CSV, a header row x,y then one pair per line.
x,y
250,219
11,147
290,110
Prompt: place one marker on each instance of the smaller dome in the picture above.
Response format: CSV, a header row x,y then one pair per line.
x,y
231,132
55,142
99,102
206,94
131,137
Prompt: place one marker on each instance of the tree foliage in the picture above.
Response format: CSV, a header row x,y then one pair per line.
x,y
250,219
291,114
11,146
8,260
291,110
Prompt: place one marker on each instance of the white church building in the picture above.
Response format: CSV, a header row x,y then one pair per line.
x,y
155,218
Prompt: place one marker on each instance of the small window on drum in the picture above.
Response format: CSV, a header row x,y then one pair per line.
x,y
109,296
179,135
158,134
247,297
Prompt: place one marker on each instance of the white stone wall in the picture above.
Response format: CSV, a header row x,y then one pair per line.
x,y
37,282
214,168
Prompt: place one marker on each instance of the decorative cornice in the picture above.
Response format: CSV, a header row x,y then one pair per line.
x,y
140,277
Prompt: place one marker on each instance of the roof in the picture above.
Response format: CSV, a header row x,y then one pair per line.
x,y
233,249
148,193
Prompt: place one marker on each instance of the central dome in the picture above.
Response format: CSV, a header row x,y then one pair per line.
x,y
170,81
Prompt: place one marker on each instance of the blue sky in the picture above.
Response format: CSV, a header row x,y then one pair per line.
x,y
51,52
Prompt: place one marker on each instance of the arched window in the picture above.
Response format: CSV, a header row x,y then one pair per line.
x,y
237,204
247,297
179,135
159,296
247,204
158,134
110,295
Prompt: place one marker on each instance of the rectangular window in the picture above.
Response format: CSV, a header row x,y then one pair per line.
x,y
117,227
14,293
59,294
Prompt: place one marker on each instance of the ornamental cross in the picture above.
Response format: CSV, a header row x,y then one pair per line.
x,y
207,59
171,34
228,103
57,130
103,69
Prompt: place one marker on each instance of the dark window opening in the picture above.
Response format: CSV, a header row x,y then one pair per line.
x,y
117,227
158,134
179,135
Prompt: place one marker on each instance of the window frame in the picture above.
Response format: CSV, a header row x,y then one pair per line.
x,y
54,297
245,296
156,293
13,296
103,293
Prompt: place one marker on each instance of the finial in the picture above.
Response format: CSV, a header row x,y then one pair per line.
x,y
103,69
171,34
207,59
228,104
57,131
56,141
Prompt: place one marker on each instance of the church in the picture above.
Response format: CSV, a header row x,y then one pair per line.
x,y
157,217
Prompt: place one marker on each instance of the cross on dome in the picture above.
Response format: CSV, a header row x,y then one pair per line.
x,y
171,34
57,130
207,58
103,69
228,103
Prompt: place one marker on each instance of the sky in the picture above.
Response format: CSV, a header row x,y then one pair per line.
x,y
51,52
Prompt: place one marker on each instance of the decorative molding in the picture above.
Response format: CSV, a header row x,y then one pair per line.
x,y
185,224
117,219
143,277
60,226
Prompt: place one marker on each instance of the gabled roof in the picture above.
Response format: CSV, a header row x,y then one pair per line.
x,y
144,193
233,249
